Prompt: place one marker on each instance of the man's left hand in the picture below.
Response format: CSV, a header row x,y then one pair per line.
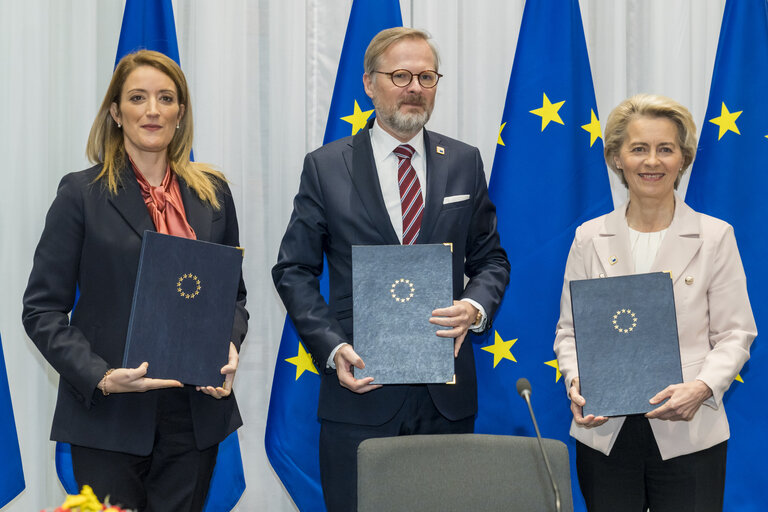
x,y
459,317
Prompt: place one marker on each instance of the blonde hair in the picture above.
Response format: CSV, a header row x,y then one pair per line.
x,y
649,105
106,144
387,38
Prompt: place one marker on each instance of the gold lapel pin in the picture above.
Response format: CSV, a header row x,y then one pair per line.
x,y
613,260
440,150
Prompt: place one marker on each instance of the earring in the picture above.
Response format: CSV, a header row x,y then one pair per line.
x,y
119,125
178,125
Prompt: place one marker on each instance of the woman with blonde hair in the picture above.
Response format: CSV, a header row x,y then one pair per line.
x,y
150,444
672,458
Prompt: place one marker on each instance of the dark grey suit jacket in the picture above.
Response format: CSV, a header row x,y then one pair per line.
x,y
339,204
92,240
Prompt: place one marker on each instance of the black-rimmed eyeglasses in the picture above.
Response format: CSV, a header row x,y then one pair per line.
x,y
403,78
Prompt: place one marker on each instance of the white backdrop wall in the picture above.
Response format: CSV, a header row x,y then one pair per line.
x,y
261,74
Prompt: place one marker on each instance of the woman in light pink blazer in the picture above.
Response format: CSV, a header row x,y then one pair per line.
x,y
672,458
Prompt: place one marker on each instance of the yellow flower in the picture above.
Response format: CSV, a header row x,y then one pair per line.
x,y
86,501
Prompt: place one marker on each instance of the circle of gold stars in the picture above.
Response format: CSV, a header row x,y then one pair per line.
x,y
192,294
632,319
404,298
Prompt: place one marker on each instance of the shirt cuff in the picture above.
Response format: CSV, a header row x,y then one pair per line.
x,y
330,363
484,318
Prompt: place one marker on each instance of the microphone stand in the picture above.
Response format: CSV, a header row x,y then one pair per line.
x,y
525,392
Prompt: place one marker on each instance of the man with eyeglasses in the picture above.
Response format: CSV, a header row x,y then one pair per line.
x,y
393,182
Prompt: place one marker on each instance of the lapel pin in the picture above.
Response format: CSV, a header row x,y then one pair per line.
x,y
613,260
688,279
440,150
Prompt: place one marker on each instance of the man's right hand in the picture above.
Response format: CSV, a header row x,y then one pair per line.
x,y
346,358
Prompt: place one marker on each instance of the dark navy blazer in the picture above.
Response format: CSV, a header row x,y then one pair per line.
x,y
339,204
92,239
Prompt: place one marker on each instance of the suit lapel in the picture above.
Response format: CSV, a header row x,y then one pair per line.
x,y
199,215
365,178
437,178
680,244
129,202
612,245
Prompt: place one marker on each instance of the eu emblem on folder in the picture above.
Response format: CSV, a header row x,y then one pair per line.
x,y
626,341
395,288
183,309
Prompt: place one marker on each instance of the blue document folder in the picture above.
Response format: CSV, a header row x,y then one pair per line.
x,y
183,309
626,341
395,288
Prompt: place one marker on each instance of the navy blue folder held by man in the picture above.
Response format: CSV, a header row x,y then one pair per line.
x,y
183,309
395,288
626,341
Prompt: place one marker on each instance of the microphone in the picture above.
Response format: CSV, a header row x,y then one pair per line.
x,y
524,390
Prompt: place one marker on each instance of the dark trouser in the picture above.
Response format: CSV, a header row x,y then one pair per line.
x,y
633,477
339,442
175,476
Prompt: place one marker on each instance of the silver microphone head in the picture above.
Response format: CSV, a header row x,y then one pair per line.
x,y
522,386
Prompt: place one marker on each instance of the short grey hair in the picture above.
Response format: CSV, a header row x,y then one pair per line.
x,y
649,105
386,38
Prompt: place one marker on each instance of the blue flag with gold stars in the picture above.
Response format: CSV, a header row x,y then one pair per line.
x,y
150,25
293,430
548,177
728,181
350,106
11,472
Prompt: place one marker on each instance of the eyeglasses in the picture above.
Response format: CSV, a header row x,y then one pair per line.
x,y
403,78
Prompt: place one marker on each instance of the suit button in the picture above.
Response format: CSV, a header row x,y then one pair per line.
x,y
601,275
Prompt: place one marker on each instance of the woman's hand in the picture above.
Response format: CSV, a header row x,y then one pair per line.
x,y
228,370
684,400
133,380
577,404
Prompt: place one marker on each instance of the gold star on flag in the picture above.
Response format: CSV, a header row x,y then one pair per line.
x,y
593,128
554,364
303,362
500,349
738,377
726,121
358,119
548,112
502,128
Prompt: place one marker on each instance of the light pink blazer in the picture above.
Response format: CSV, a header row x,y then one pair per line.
x,y
714,319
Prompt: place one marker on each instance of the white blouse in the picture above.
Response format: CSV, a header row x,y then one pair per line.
x,y
644,248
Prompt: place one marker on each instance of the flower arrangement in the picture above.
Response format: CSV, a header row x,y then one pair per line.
x,y
86,501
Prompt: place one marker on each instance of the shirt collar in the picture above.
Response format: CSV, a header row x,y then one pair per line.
x,y
384,144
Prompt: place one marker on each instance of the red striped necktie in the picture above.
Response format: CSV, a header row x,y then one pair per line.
x,y
411,202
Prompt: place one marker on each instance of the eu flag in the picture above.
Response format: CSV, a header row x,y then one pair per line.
x,y
548,177
727,181
293,430
11,473
149,25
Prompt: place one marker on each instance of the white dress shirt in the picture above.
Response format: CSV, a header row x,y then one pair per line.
x,y
386,166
